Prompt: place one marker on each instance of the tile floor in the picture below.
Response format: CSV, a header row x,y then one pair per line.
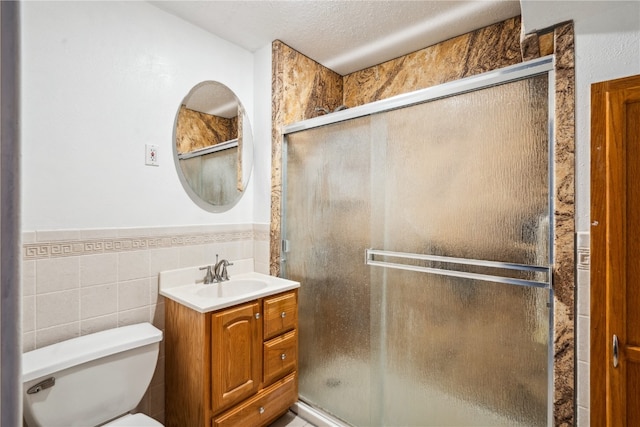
x,y
290,420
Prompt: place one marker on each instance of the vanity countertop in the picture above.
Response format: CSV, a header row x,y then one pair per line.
x,y
186,287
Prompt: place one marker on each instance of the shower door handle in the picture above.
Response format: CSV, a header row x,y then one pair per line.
x,y
615,351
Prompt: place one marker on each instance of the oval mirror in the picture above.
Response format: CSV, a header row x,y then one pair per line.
x,y
213,148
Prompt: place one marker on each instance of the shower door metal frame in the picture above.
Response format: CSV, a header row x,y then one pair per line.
x,y
522,71
500,76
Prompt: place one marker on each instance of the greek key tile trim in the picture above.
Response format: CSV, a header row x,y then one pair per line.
x,y
261,235
58,249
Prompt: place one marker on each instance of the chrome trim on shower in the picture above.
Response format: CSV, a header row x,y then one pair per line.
x,y
552,154
210,149
551,108
316,416
370,253
550,359
468,84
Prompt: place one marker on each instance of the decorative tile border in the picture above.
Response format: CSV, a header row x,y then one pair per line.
x,y
80,247
261,235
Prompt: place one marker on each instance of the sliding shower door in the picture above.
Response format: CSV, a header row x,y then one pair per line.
x,y
329,187
421,238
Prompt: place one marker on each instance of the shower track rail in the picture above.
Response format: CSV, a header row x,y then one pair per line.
x,y
370,260
232,143
511,73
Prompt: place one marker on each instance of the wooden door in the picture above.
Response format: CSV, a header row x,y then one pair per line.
x,y
615,252
236,353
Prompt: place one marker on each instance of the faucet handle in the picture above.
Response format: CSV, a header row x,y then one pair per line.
x,y
208,278
224,275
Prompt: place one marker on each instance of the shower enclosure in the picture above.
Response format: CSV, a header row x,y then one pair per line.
x,y
419,228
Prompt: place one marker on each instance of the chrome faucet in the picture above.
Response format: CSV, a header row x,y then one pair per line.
x,y
220,270
216,273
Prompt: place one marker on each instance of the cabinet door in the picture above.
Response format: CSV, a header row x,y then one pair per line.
x,y
236,354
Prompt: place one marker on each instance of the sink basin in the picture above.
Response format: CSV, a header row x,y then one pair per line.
x,y
185,287
232,288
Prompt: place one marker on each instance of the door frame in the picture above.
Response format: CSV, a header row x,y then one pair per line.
x,y
606,162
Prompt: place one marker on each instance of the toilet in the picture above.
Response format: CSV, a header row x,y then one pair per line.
x,y
92,380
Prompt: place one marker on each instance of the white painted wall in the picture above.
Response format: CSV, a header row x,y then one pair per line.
x,y
607,46
262,132
99,81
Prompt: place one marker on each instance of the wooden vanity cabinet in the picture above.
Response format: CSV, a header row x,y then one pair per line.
x,y
233,367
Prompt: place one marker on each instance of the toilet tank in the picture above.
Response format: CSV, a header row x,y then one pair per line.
x,y
89,380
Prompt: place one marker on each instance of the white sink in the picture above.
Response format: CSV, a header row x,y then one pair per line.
x,y
231,288
185,286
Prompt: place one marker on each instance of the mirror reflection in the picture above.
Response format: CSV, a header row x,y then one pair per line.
x,y
213,146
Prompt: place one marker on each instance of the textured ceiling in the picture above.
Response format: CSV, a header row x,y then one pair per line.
x,y
199,99
344,35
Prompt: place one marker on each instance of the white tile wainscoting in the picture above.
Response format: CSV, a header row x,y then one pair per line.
x,y
583,312
76,282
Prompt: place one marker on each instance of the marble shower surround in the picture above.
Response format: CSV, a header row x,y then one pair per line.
x,y
196,130
76,282
299,84
486,49
564,366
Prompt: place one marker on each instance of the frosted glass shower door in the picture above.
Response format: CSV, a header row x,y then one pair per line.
x,y
440,326
469,182
328,209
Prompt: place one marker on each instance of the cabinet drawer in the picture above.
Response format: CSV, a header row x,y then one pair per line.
x,y
280,314
265,407
280,356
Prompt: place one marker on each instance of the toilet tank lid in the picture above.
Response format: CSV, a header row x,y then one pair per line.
x,y
56,357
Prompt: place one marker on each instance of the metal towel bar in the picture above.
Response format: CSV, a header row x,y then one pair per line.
x,y
370,253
